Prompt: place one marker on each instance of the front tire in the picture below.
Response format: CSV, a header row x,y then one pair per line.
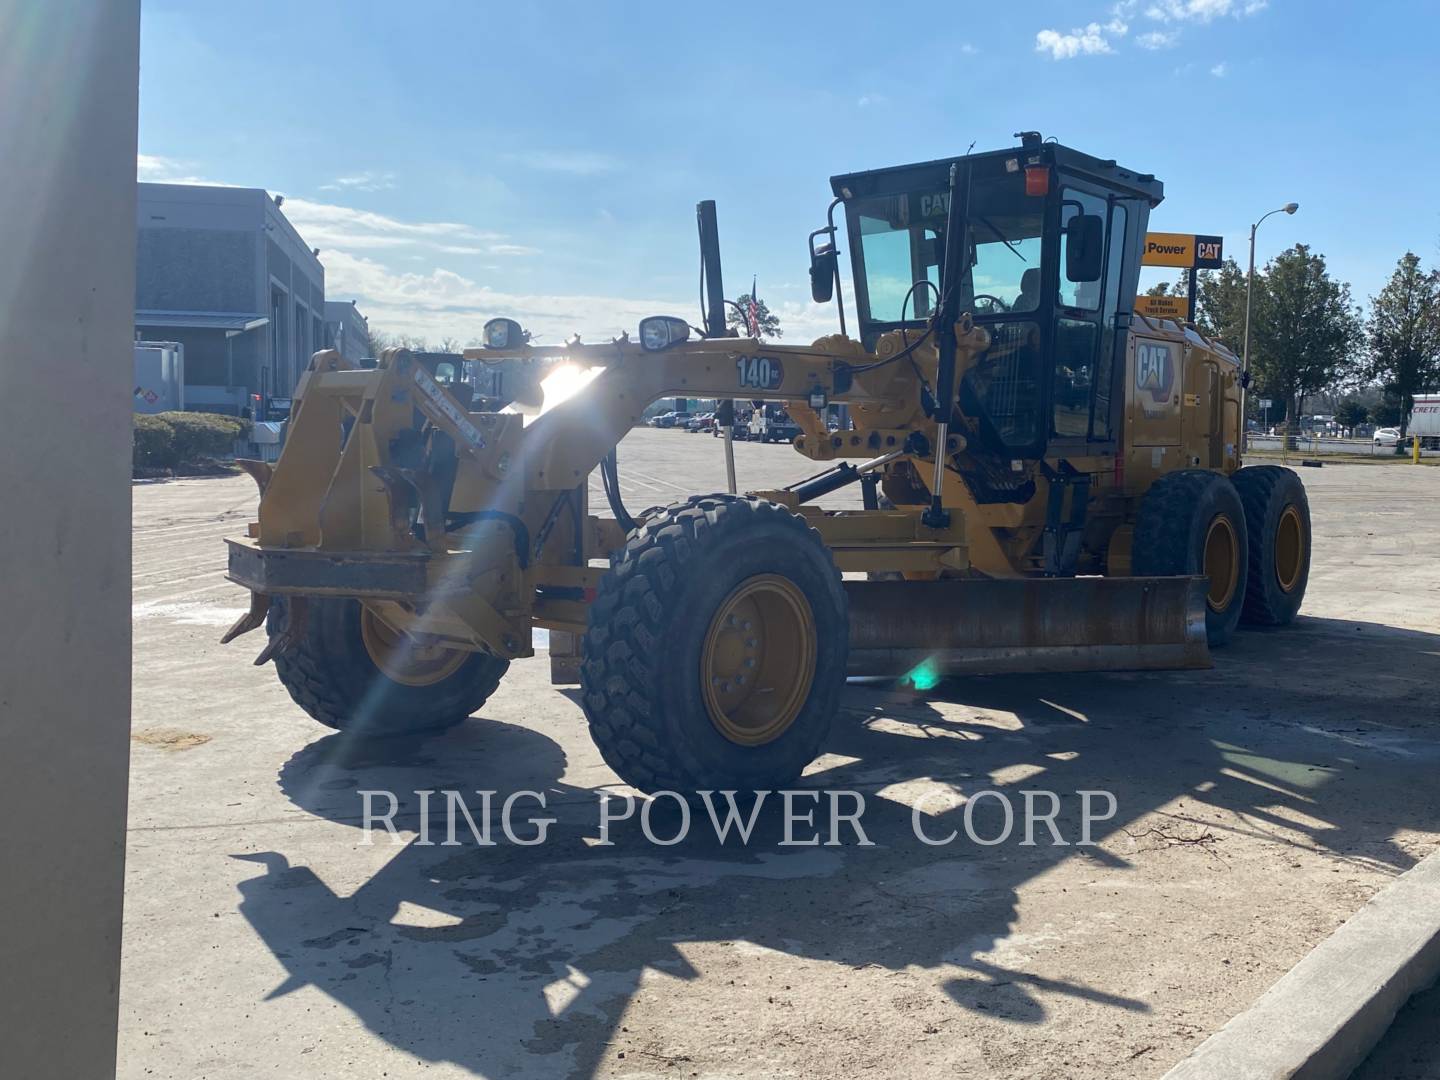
x,y
353,673
1192,522
1277,519
716,648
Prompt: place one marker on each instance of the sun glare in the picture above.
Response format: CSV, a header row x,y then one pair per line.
x,y
565,382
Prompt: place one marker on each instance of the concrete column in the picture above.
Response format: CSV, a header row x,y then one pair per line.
x,y
69,73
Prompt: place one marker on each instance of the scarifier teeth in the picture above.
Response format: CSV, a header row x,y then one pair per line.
x,y
297,615
259,471
251,620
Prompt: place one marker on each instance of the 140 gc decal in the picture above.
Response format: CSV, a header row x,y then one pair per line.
x,y
759,372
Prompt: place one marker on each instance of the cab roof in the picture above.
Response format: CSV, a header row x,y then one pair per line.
x,y
933,175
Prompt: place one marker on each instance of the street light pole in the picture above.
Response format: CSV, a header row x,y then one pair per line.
x,y
1288,208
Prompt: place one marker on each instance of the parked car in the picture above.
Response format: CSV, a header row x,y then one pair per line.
x,y
700,422
773,428
673,419
1387,436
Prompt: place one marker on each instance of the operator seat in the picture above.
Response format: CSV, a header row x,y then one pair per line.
x,y
1029,298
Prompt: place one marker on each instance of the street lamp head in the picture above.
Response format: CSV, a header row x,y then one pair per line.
x,y
1290,208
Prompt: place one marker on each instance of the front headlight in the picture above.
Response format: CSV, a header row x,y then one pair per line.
x,y
661,331
503,334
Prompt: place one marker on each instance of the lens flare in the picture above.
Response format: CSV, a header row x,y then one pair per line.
x,y
564,382
923,676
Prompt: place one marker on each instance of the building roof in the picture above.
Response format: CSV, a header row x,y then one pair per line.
x,y
201,320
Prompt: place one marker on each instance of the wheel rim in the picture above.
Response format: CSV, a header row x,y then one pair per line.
x,y
1289,549
758,661
1222,562
403,659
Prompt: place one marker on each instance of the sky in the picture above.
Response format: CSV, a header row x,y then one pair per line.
x,y
456,161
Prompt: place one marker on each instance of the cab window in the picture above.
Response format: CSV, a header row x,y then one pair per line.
x,y
1078,328
1084,295
895,258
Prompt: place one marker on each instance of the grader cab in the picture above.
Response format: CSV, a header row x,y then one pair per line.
x,y
1044,481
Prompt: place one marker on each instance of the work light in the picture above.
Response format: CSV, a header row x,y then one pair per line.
x,y
661,331
503,334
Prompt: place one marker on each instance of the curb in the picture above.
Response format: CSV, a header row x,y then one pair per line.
x,y
1328,1011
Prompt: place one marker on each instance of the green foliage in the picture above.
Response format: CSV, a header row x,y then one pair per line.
x,y
769,323
1403,334
1387,414
1304,331
154,443
172,439
1351,414
1220,304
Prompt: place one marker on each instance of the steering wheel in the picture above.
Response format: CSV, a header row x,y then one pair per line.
x,y
996,304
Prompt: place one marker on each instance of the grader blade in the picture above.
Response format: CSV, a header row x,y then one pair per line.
x,y
992,626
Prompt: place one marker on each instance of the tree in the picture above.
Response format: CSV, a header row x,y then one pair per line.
x,y
1304,330
1351,414
769,323
376,341
1220,304
1387,414
1403,334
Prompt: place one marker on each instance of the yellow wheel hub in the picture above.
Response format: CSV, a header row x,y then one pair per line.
x,y
758,661
1222,562
404,659
1289,549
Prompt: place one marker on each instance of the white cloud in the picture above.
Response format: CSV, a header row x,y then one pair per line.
x,y
365,181
154,169
149,166
1096,38
968,49
434,302
866,100
331,226
1220,70
439,303
1158,39
1202,11
575,162
1088,40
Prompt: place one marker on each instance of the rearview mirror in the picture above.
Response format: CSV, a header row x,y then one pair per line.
x,y
1084,247
823,265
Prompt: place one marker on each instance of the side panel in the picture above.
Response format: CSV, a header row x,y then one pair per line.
x,y
1152,409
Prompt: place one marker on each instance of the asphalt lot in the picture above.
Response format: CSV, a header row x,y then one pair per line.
x,y
1258,806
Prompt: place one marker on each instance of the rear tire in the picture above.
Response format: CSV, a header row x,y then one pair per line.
x,y
716,648
1277,519
332,674
1192,522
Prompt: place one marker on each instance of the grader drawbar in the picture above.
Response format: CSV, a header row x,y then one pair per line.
x,y
1041,481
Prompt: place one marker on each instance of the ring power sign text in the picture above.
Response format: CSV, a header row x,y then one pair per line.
x,y
1188,250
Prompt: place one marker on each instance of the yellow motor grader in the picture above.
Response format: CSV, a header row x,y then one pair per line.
x,y
1045,481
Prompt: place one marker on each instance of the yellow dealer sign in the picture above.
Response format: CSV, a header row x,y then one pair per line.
x,y
1163,307
1183,249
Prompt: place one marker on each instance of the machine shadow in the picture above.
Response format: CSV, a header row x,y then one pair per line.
x,y
520,960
